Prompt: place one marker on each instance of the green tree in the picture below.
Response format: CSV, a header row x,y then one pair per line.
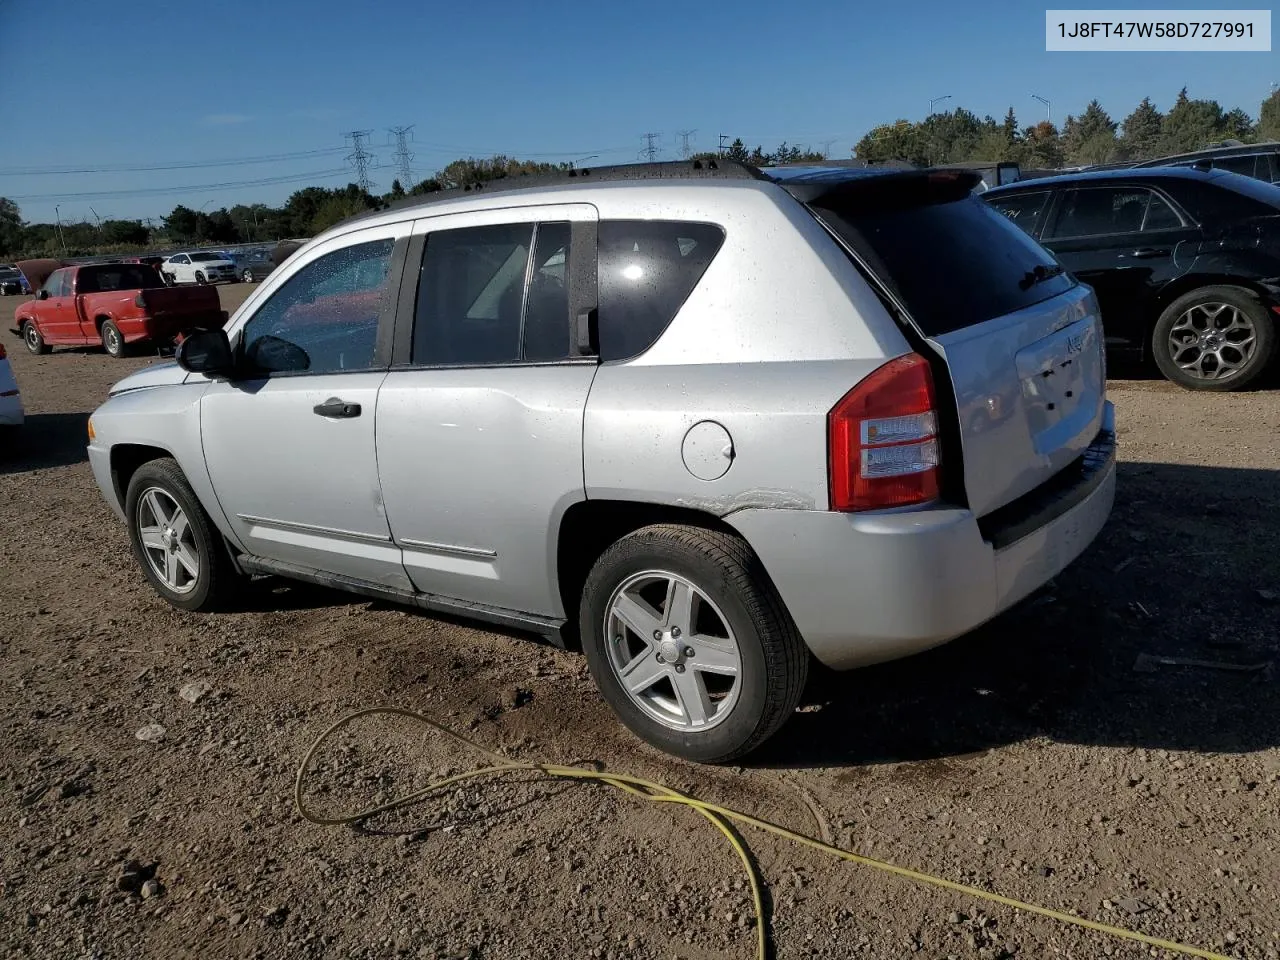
x,y
1095,128
183,224
125,233
220,227
1191,125
892,141
1238,125
397,190
1012,134
738,151
11,228
1269,118
1041,147
1143,129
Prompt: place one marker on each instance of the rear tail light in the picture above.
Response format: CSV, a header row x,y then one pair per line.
x,y
2,352
883,439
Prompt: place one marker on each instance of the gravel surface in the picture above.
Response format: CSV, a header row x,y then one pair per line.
x,y
147,755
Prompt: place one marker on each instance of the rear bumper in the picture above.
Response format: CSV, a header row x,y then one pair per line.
x,y
11,414
865,588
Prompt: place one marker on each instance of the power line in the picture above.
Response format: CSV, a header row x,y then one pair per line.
x,y
650,150
166,164
403,157
193,188
723,138
360,158
684,135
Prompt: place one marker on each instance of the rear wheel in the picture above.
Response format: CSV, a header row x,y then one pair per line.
x,y
168,279
1214,338
689,642
112,341
33,339
175,543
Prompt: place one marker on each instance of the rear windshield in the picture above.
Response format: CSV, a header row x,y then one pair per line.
x,y
117,276
951,264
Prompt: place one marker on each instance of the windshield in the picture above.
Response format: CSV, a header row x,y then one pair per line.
x,y
206,257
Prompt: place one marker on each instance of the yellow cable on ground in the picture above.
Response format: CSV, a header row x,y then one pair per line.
x,y
721,817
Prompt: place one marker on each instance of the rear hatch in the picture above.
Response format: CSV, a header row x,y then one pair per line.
x,y
1020,339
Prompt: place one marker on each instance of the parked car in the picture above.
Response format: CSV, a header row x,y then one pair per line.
x,y
607,411
255,266
201,267
1258,160
11,414
114,304
12,282
1186,263
151,260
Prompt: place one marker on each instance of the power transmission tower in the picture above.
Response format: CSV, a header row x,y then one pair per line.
x,y
826,148
402,155
360,158
684,136
650,151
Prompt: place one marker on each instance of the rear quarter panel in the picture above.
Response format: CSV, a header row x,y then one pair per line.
x,y
780,327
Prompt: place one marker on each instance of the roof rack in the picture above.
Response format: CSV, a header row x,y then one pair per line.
x,y
713,169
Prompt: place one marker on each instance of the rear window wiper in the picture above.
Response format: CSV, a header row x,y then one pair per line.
x,y
1040,274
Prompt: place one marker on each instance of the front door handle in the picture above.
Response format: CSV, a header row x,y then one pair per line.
x,y
1145,253
333,407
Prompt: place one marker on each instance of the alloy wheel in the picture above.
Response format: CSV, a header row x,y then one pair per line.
x,y
672,651
1212,341
168,541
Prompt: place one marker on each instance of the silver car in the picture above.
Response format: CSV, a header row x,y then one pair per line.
x,y
704,423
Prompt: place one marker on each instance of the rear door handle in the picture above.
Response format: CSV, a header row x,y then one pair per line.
x,y
1145,253
333,407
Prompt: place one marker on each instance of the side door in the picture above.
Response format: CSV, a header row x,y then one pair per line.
x,y
180,268
480,420
59,322
289,445
1121,240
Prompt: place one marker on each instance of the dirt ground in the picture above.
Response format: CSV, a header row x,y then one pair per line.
x,y
1030,758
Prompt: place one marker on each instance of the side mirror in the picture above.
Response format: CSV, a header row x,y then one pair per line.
x,y
205,351
42,295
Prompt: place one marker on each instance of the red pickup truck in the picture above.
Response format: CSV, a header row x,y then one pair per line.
x,y
114,304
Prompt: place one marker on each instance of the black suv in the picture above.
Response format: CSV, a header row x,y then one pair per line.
x,y
1185,262
1258,160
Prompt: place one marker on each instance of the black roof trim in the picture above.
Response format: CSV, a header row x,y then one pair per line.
x,y
715,169
1126,174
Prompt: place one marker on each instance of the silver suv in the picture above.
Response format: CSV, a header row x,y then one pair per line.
x,y
704,422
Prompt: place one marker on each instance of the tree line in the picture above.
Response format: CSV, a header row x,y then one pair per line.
x,y
1093,137
953,137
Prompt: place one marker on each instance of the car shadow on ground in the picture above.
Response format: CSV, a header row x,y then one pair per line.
x,y
1187,568
44,440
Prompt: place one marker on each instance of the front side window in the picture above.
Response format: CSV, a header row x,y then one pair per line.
x,y
59,283
1099,211
1023,208
324,319
483,300
180,259
647,270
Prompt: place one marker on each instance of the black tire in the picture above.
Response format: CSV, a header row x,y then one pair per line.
x,y
168,279
1255,364
33,339
775,661
218,583
112,340
200,277
247,276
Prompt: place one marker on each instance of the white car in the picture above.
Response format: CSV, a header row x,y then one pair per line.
x,y
203,267
11,414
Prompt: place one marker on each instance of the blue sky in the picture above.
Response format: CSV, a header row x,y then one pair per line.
x,y
98,84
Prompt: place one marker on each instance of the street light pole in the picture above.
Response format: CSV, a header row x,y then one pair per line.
x,y
945,96
1048,107
62,237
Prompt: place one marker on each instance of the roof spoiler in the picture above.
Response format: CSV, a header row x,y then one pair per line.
x,y
889,188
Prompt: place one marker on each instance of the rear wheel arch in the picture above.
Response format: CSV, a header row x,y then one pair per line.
x,y
1180,287
589,527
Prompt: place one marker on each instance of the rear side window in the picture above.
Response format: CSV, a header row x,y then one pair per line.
x,y
1023,209
951,264
1245,166
647,270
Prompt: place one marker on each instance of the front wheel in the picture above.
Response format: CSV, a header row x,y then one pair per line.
x,y
34,340
112,341
690,644
199,277
174,541
1214,338
247,276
